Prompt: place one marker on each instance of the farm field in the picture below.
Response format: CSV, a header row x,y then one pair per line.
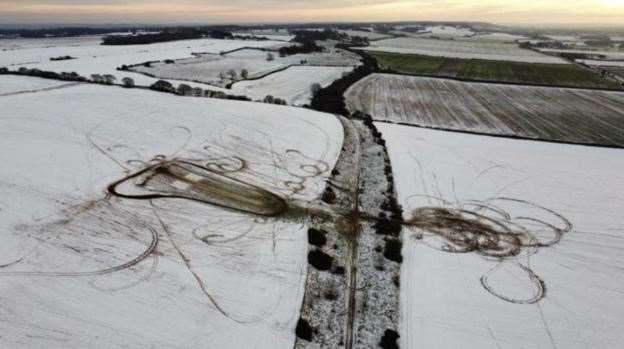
x,y
371,35
496,36
93,58
466,49
109,236
22,84
436,31
559,285
207,68
615,55
38,43
619,71
277,36
501,71
599,63
293,84
567,115
450,31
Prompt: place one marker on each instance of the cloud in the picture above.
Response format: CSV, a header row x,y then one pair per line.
x,y
227,11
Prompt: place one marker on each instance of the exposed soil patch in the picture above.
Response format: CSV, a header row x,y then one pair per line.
x,y
487,228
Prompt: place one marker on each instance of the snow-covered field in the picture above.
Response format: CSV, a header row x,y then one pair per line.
x,y
23,84
608,54
93,58
34,43
208,68
438,31
80,268
496,36
449,31
371,35
277,36
564,37
601,63
562,114
293,84
490,50
456,300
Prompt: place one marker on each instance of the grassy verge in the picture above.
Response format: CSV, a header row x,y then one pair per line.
x,y
475,69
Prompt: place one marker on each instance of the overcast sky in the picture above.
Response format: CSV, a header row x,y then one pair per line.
x,y
607,12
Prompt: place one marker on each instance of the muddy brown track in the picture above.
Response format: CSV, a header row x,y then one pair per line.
x,y
217,187
499,235
351,233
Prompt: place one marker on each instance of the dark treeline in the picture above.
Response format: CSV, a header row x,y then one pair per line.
x,y
331,98
65,76
166,35
307,46
60,32
307,39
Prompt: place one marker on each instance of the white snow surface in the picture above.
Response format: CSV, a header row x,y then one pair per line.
x,y
279,36
22,84
450,31
371,35
601,63
499,36
61,148
468,49
207,68
608,54
564,37
93,58
443,302
293,84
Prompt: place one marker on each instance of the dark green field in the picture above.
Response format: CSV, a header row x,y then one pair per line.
x,y
474,69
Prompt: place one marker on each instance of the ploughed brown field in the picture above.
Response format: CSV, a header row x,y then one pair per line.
x,y
556,114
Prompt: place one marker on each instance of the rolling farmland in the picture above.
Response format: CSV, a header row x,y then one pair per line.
x,y
96,252
477,69
22,84
208,68
567,115
292,84
468,49
93,58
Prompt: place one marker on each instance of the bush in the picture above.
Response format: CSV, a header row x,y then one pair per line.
x,y
127,82
163,86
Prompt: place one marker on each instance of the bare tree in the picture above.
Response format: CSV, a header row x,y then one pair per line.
x,y
184,90
244,73
232,74
269,99
222,76
162,85
315,88
97,78
127,82
198,92
109,79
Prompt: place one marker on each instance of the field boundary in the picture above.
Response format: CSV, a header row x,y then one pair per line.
x,y
260,77
496,82
509,136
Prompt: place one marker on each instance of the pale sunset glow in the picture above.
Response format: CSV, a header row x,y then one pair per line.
x,y
605,12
